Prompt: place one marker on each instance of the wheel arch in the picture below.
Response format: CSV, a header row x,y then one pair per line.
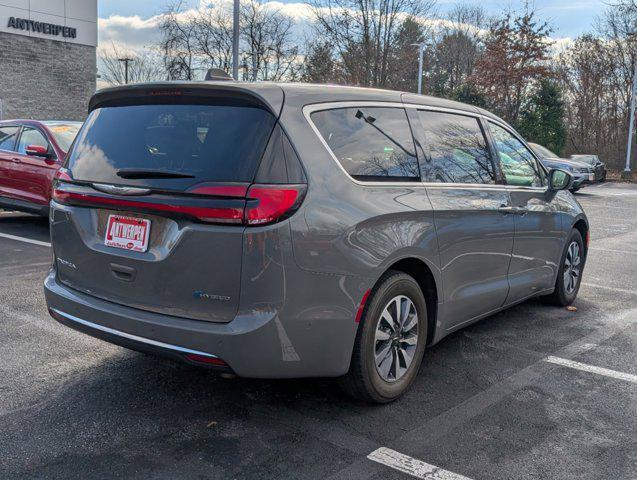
x,y
582,226
423,274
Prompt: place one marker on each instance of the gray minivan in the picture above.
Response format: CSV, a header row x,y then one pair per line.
x,y
294,230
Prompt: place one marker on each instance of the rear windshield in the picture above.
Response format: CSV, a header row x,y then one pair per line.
x,y
64,133
200,142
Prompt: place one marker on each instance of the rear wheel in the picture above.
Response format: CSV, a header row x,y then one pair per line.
x,y
390,341
569,276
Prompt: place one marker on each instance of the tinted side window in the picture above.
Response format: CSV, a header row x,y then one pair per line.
x,y
456,149
371,143
7,137
518,164
31,136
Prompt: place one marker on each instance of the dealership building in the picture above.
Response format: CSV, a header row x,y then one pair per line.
x,y
47,58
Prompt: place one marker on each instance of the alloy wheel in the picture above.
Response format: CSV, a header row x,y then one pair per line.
x,y
572,267
396,338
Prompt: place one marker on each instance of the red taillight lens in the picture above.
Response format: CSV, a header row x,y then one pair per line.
x,y
206,214
63,175
272,202
256,205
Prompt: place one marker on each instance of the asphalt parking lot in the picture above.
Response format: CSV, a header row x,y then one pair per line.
x,y
501,399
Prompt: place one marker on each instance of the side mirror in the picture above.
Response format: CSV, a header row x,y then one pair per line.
x,y
559,180
37,151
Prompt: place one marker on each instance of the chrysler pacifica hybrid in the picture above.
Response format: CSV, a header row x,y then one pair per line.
x,y
279,231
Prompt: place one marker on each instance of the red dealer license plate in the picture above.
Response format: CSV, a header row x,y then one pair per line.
x,y
128,233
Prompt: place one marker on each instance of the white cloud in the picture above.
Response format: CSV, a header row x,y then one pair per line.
x,y
132,32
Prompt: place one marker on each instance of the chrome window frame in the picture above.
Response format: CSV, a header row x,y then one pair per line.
x,y
308,110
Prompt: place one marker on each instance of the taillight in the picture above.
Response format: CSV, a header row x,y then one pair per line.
x,y
211,203
269,203
64,175
203,213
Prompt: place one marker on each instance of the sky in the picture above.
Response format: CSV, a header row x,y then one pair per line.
x,y
131,23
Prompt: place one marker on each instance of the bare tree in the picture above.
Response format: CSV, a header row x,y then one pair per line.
x,y
145,66
361,33
213,37
271,53
179,42
596,74
453,57
197,39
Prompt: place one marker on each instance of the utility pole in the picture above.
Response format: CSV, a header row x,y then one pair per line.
x,y
235,41
421,54
632,121
126,62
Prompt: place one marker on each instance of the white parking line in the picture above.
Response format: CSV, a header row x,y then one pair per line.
x,y
412,466
26,240
591,368
612,289
599,249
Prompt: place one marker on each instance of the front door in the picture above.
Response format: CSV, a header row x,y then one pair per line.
x,y
538,232
472,215
32,174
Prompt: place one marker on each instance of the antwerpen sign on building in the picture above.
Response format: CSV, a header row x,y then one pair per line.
x,y
42,27
66,21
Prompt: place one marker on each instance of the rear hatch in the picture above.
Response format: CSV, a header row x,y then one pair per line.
x,y
158,189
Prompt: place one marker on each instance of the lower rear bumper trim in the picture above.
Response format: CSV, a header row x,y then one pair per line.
x,y
128,336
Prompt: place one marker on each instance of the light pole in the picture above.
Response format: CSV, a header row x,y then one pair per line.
x,y
126,61
421,54
632,120
235,41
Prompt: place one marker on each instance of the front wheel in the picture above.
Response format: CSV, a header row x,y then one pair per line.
x,y
569,276
390,341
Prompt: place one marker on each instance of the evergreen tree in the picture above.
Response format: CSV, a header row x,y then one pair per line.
x,y
542,117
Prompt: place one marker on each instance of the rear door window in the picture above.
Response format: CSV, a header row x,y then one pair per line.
x,y
370,143
199,143
456,149
8,137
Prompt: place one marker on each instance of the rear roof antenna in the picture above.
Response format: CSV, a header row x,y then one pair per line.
x,y
216,74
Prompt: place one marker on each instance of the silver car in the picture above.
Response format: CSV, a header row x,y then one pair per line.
x,y
278,231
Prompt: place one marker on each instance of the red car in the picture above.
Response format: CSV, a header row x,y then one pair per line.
x,y
31,152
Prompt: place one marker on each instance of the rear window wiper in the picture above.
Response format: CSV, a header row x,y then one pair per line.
x,y
136,173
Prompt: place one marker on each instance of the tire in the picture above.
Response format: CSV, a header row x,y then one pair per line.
x,y
565,294
573,190
364,381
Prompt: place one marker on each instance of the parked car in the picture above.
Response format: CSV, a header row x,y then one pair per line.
x,y
288,230
594,162
582,173
31,152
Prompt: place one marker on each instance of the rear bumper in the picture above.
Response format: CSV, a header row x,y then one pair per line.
x,y
257,346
